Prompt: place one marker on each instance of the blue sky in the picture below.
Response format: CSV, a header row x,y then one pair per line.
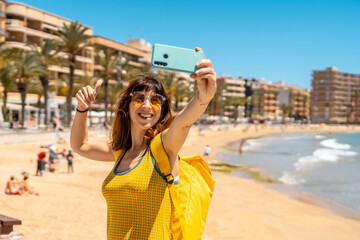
x,y
276,40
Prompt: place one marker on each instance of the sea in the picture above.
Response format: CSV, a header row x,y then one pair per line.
x,y
324,165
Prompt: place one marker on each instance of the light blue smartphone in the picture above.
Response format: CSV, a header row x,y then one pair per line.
x,y
175,58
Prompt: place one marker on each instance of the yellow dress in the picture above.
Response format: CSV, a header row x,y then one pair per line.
x,y
138,201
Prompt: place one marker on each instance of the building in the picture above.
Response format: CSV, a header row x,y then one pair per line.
x,y
335,96
232,97
26,24
295,99
136,57
262,100
2,20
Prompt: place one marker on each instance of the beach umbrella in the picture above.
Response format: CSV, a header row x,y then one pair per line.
x,y
52,150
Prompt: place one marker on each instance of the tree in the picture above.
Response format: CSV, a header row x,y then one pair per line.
x,y
7,81
47,54
286,111
181,90
235,101
73,41
109,61
26,67
304,102
113,96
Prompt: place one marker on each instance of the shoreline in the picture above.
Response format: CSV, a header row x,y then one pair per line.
x,y
258,175
71,206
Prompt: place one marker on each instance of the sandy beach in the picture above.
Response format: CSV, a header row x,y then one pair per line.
x,y
71,206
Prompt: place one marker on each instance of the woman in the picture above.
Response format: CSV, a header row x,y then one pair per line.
x,y
138,200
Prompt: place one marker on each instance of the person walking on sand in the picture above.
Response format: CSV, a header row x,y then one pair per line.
x,y
69,158
138,199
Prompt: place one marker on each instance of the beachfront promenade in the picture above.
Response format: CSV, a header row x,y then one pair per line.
x,y
71,206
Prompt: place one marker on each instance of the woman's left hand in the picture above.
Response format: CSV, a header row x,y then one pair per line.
x,y
205,78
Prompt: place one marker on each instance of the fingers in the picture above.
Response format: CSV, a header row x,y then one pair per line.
x,y
204,63
97,86
197,49
204,71
81,100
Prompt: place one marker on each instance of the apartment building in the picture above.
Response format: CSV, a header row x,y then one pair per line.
x,y
2,20
232,97
262,100
335,96
296,98
136,56
26,24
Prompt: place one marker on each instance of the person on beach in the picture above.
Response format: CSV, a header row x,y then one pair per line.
x,y
12,186
207,150
24,186
138,199
40,163
69,158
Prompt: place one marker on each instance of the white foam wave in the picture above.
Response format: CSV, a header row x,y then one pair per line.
x,y
332,143
319,137
321,155
290,179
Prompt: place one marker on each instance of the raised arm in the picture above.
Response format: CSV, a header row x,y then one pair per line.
x,y
175,136
100,151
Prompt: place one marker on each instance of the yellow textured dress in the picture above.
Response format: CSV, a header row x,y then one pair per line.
x,y
138,201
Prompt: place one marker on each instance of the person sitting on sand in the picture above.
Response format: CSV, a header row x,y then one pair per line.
x,y
12,186
24,186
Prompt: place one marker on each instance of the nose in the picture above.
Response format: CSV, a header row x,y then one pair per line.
x,y
147,103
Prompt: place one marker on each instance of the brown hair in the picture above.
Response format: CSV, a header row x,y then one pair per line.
x,y
121,129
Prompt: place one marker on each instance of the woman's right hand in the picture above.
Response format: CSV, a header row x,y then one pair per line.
x,y
86,95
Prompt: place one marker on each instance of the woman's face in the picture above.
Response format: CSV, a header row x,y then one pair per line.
x,y
145,109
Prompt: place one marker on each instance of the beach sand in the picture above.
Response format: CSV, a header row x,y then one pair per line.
x,y
71,206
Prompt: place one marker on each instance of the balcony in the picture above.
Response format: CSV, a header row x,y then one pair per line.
x,y
2,14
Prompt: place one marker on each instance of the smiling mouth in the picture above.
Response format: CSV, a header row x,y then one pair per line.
x,y
145,116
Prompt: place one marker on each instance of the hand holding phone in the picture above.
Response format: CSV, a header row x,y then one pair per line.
x,y
175,58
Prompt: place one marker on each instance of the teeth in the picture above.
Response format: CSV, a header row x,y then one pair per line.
x,y
145,115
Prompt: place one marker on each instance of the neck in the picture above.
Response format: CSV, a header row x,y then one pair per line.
x,y
137,139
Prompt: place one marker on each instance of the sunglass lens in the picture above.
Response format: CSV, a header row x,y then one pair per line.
x,y
138,98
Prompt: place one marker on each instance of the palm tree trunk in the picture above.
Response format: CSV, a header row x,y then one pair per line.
x,y
4,108
22,91
106,83
69,96
45,83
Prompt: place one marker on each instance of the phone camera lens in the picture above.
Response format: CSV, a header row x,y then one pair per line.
x,y
166,56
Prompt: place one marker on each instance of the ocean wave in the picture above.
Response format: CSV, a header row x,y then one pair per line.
x,y
332,143
319,137
290,179
321,155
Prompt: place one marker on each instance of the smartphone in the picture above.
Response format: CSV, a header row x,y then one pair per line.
x,y
175,58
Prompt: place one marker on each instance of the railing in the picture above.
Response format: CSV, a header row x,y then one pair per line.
x,y
2,14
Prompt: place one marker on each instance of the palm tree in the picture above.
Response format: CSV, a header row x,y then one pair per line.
x,y
26,67
47,54
286,110
73,40
109,61
181,90
7,81
304,101
113,96
236,102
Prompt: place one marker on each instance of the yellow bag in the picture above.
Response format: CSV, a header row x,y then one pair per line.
x,y
191,197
